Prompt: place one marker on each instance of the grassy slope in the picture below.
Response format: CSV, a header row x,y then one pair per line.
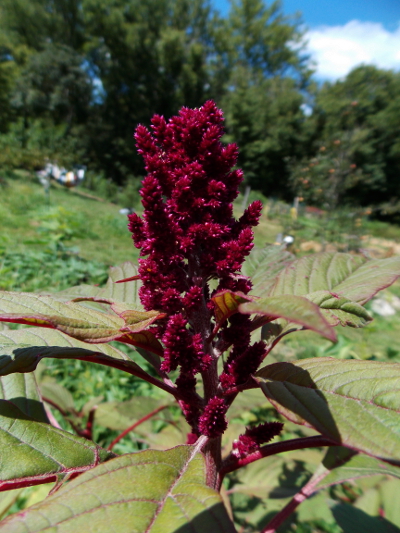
x,y
99,231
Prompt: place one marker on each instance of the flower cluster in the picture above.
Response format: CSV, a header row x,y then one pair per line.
x,y
188,233
252,438
187,237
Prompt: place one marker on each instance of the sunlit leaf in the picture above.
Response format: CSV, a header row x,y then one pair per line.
x,y
33,451
294,309
352,276
346,465
227,303
82,323
340,310
263,265
119,292
22,350
149,492
389,492
348,401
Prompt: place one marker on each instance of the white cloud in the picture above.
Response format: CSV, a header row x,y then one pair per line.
x,y
338,49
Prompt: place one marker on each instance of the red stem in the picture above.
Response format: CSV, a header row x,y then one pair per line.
x,y
233,463
88,431
135,425
302,495
125,366
77,430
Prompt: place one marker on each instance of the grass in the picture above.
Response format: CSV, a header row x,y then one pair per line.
x,y
97,231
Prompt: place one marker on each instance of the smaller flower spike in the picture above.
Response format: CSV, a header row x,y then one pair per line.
x,y
212,422
252,438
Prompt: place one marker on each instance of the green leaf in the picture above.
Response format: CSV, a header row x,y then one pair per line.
x,y
389,491
21,390
22,350
354,403
353,520
56,393
337,282
31,449
294,309
346,465
79,321
263,265
340,310
120,292
150,491
7,499
41,337
71,318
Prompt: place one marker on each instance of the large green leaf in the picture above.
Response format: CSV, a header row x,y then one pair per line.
x,y
72,318
263,265
22,350
354,403
149,492
337,279
33,451
18,355
353,520
50,337
294,309
21,390
345,465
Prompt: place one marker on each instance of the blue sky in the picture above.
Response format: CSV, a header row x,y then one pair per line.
x,y
345,33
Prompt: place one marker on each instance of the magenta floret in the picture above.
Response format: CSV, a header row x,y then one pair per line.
x,y
252,438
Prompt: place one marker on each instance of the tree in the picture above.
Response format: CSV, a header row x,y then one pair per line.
x,y
361,114
36,23
267,121
151,57
268,70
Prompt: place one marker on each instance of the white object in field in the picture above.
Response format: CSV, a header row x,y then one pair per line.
x,y
288,239
381,307
126,211
61,175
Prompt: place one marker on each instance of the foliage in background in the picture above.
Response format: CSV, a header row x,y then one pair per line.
x,y
355,158
76,77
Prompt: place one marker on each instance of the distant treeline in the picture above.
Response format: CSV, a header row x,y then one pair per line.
x,y
77,76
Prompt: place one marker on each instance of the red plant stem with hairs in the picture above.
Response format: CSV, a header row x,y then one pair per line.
x,y
233,463
304,493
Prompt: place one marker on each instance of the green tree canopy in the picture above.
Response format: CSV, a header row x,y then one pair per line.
x,y
268,69
356,156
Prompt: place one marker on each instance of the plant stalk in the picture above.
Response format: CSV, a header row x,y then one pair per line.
x,y
308,489
135,425
233,463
